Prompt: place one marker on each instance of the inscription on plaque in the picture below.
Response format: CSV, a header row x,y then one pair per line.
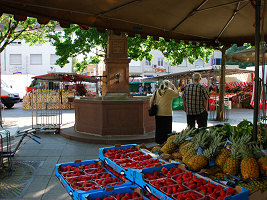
x,y
117,46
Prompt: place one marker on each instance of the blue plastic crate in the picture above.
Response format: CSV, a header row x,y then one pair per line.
x,y
120,190
139,180
128,173
75,193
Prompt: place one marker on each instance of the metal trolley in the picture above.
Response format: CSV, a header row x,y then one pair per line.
x,y
46,110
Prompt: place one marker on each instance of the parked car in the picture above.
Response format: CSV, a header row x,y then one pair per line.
x,y
8,96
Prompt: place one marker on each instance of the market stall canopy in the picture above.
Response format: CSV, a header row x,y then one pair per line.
x,y
66,77
207,71
206,21
247,55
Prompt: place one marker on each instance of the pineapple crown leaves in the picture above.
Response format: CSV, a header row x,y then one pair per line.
x,y
235,153
257,152
202,140
180,137
245,151
242,146
215,147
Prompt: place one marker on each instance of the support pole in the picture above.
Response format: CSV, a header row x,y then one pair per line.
x,y
220,109
256,79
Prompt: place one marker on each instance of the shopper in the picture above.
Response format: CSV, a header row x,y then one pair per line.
x,y
163,99
141,89
195,99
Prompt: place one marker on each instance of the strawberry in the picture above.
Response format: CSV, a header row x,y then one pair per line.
x,y
214,195
164,170
169,191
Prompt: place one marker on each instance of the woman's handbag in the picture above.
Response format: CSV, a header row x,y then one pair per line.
x,y
154,107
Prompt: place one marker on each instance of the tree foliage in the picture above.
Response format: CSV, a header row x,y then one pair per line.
x,y
235,48
29,30
70,42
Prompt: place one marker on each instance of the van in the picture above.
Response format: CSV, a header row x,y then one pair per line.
x,y
8,96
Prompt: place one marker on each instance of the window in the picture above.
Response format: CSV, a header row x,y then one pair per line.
x,y
148,62
217,61
160,61
15,59
36,59
53,59
15,43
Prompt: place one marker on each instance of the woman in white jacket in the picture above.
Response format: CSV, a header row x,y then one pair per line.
x,y
164,97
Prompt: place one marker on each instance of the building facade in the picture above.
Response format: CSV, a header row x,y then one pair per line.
x,y
21,58
159,65
20,62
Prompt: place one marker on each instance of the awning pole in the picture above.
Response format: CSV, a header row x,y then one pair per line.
x,y
256,80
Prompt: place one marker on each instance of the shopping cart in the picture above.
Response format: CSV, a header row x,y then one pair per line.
x,y
6,152
46,110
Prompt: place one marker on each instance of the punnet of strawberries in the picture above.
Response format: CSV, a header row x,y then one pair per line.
x,y
174,181
88,177
188,195
126,196
131,158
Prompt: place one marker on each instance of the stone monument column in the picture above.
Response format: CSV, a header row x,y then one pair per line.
x,y
117,66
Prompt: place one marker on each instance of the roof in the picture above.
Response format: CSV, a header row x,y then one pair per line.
x,y
66,77
205,21
207,71
246,55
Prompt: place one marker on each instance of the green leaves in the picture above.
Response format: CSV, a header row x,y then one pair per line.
x,y
29,30
73,41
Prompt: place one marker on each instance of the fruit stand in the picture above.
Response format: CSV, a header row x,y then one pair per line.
x,y
67,94
187,166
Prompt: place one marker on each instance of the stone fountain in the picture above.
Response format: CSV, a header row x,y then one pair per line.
x,y
116,113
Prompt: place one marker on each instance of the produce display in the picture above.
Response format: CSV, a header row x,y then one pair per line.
x,y
48,99
224,153
131,158
88,177
220,162
134,195
179,184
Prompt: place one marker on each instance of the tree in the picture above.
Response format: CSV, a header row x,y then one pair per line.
x,y
29,30
73,41
235,48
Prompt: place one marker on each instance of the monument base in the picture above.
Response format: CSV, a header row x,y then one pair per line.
x,y
102,117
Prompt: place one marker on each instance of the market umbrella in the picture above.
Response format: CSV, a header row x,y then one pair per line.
x,y
66,77
247,55
209,21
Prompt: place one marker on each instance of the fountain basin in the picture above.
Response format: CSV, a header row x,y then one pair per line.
x,y
106,116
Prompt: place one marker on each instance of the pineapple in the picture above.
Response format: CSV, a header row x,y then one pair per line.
x,y
222,157
176,155
178,138
169,147
263,165
200,161
171,138
262,160
156,149
249,166
184,147
188,155
232,164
